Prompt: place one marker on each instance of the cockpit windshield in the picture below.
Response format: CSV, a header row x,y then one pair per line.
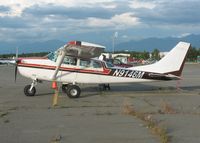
x,y
53,56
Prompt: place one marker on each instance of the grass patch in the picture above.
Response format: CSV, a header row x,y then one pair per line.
x,y
148,102
56,139
13,108
167,108
108,113
4,114
150,123
6,121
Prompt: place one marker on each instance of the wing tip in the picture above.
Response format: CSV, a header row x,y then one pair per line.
x,y
82,43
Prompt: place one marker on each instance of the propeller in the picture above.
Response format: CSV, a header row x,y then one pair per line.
x,y
15,71
16,61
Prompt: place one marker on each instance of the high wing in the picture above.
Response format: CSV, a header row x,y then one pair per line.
x,y
77,49
83,49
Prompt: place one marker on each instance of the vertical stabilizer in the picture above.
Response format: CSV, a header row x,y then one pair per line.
x,y
172,63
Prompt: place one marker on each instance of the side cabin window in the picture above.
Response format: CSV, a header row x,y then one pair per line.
x,y
84,63
91,64
70,60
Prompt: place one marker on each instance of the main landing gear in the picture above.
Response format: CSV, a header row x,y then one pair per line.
x,y
104,87
72,91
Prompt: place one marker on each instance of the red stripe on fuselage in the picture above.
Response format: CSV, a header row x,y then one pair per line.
x,y
105,70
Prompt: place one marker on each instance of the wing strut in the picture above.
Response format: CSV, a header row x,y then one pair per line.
x,y
54,83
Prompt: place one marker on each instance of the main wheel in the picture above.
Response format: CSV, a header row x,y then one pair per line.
x,y
29,92
73,91
106,86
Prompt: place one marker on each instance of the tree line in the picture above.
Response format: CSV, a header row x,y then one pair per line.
x,y
40,54
155,54
191,57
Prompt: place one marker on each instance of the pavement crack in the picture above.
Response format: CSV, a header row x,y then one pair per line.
x,y
152,124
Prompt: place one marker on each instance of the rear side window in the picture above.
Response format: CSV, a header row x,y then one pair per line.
x,y
85,63
96,64
90,63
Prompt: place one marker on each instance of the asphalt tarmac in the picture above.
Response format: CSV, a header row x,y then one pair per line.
x,y
101,116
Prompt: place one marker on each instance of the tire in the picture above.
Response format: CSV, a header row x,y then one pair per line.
x,y
64,88
107,86
104,87
27,92
73,91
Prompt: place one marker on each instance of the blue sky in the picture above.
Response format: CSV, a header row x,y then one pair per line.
x,y
97,20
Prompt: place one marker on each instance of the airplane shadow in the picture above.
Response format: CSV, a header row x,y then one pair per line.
x,y
133,87
190,88
43,94
126,88
88,95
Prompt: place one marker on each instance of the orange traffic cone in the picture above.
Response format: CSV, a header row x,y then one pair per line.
x,y
54,85
55,96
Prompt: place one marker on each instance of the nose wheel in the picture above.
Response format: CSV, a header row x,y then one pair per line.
x,y
30,90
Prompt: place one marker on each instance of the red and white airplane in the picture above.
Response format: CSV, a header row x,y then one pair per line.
x,y
75,63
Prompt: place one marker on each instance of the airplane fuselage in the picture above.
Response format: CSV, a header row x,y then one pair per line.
x,y
43,69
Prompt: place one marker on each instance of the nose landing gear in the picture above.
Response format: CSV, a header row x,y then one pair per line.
x,y
30,90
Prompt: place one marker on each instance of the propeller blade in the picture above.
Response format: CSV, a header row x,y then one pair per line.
x,y
16,68
15,73
16,61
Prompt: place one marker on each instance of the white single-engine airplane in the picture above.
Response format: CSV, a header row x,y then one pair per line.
x,y
75,63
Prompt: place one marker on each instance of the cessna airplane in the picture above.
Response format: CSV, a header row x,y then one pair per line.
x,y
75,63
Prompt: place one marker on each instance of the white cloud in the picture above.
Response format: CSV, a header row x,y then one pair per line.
x,y
183,35
18,6
117,21
140,4
127,19
125,36
50,19
108,6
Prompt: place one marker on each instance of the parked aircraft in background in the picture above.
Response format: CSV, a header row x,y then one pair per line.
x,y
7,61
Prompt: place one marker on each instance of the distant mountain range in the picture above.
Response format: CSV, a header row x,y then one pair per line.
x,y
149,44
30,47
163,44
